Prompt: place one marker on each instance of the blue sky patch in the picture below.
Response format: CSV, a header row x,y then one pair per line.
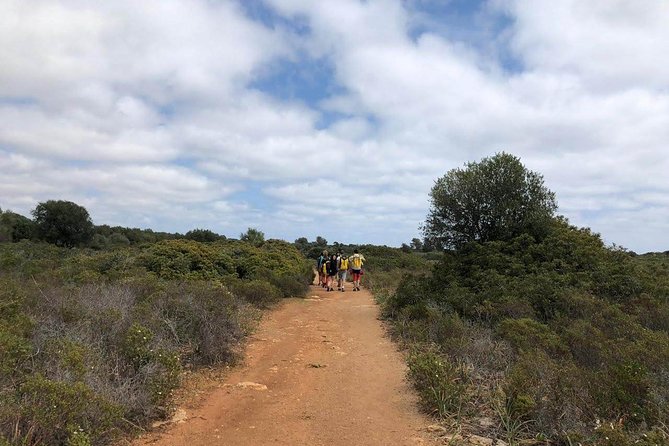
x,y
306,79
253,194
258,11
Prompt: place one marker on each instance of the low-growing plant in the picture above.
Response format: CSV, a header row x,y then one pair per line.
x,y
259,293
512,415
441,383
52,411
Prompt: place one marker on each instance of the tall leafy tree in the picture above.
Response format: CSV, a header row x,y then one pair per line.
x,y
495,199
63,223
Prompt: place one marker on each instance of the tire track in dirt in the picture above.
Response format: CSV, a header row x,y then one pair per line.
x,y
318,371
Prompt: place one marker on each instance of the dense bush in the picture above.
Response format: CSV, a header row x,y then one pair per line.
x,y
15,227
203,235
575,333
187,259
63,223
92,342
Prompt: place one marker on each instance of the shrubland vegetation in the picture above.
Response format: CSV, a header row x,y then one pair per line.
x,y
521,326
93,340
536,332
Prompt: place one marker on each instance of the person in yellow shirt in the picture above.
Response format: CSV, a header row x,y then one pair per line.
x,y
343,269
320,266
355,263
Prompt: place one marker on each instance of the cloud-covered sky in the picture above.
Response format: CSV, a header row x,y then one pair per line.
x,y
332,118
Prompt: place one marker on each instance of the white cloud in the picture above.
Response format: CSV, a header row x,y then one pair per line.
x,y
145,112
589,109
609,44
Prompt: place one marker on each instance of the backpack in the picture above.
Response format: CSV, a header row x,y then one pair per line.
x,y
356,261
332,266
344,263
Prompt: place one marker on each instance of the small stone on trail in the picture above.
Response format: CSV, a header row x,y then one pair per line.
x,y
480,441
250,385
485,422
317,366
435,428
180,416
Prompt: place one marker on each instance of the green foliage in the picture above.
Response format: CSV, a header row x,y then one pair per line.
x,y
118,239
134,236
527,334
584,329
178,259
416,244
253,236
203,235
260,293
276,261
54,412
15,227
117,326
442,383
15,328
494,199
63,223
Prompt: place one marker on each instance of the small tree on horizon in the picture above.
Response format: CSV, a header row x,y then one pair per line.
x,y
416,244
253,236
203,235
63,223
497,198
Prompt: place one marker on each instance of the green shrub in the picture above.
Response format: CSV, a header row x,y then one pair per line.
x,y
204,319
292,284
137,345
626,394
52,411
527,335
15,329
582,332
256,292
187,259
441,383
410,293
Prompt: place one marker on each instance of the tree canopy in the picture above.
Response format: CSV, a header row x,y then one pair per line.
x,y
497,198
63,223
15,227
203,235
253,236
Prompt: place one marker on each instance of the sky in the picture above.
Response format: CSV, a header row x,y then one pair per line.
x,y
332,118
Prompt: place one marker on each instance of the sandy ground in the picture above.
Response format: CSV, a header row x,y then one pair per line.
x,y
319,371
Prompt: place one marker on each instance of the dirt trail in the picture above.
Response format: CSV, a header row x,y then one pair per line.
x,y
319,371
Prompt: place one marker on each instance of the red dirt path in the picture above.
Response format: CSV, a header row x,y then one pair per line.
x,y
319,371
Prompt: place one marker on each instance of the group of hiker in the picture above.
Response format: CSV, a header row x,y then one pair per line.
x,y
334,268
